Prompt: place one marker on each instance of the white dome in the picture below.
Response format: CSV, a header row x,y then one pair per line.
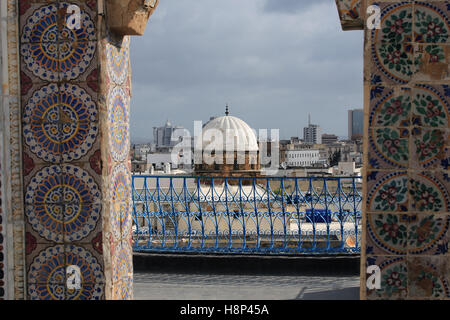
x,y
228,133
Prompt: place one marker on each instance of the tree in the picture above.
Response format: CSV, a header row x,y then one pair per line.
x,y
335,158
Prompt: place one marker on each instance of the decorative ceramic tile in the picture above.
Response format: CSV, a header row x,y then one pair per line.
x,y
44,224
430,148
429,192
428,277
78,61
394,278
431,106
387,234
349,9
432,62
122,267
393,63
47,274
431,24
47,21
118,117
60,123
390,107
123,290
388,147
79,186
429,234
396,23
44,187
388,191
117,60
120,184
81,221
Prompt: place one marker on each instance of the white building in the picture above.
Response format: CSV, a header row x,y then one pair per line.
x,y
302,158
312,134
159,160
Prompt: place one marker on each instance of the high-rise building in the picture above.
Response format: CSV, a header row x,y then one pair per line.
x,y
163,136
355,124
312,134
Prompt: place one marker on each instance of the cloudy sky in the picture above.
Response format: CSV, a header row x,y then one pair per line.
x,y
272,61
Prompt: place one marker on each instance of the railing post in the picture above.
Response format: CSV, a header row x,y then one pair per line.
x,y
188,214
216,246
256,213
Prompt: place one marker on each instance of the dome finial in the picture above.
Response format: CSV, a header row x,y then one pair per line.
x,y
226,110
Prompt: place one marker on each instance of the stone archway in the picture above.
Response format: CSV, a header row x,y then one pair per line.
x,y
65,175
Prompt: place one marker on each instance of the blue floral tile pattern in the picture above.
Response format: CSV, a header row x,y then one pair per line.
x,y
49,47
118,61
119,106
47,274
60,123
71,189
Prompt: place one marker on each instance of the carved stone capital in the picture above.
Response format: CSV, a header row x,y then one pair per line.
x,y
129,17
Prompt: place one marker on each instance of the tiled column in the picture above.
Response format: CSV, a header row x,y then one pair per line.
x,y
75,86
407,105
61,130
115,113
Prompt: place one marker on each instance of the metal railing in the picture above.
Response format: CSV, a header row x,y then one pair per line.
x,y
263,215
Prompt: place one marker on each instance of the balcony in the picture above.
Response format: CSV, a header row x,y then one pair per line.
x,y
247,215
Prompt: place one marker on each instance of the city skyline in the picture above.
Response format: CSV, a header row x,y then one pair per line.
x,y
188,67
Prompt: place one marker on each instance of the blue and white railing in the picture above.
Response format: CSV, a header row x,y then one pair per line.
x,y
269,215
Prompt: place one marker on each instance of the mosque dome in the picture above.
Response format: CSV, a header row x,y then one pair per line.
x,y
235,135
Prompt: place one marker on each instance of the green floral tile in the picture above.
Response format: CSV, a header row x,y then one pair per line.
x,y
387,234
428,277
429,192
396,23
394,63
431,62
428,234
430,148
389,107
388,148
394,278
431,106
431,24
387,191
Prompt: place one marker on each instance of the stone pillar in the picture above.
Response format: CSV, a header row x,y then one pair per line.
x,y
64,140
406,148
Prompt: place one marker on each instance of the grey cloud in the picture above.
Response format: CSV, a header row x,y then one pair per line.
x,y
198,55
290,6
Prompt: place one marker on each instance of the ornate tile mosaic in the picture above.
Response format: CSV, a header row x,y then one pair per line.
x,y
350,13
390,107
387,234
428,234
388,191
117,94
47,274
407,179
429,192
389,147
428,277
394,277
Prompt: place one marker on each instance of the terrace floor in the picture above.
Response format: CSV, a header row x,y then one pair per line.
x,y
272,278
